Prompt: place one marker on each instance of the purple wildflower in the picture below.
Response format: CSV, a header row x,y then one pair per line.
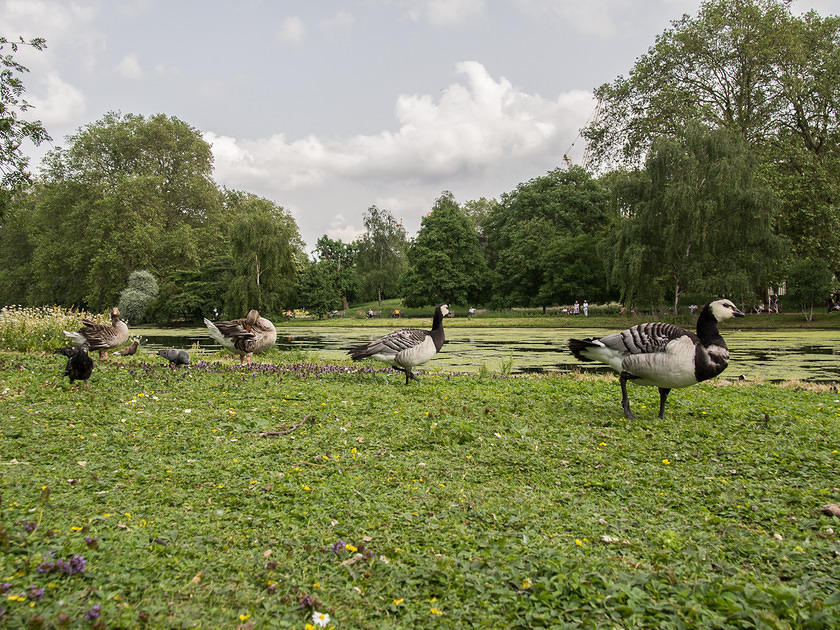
x,y
35,593
93,613
77,564
5,587
339,546
30,526
91,542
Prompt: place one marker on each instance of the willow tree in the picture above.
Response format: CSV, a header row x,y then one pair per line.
x,y
265,245
696,219
756,69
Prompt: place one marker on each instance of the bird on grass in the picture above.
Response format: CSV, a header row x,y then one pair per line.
x,y
175,357
101,337
663,355
405,348
128,350
245,336
79,364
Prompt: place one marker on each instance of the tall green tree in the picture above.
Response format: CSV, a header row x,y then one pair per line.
x,y
15,130
265,243
444,261
381,257
545,241
318,288
753,68
126,193
696,220
342,257
809,283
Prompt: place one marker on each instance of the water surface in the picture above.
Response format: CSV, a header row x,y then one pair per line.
x,y
811,355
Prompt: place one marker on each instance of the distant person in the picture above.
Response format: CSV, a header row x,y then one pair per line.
x,y
585,308
470,312
692,308
370,313
576,309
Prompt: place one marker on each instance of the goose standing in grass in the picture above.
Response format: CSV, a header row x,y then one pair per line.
x,y
101,337
406,347
663,355
244,336
79,364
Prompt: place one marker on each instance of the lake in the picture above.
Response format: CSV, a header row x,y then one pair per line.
x,y
808,355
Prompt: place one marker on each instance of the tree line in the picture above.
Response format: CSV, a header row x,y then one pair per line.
x,y
714,168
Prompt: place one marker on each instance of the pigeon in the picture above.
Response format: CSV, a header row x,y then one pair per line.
x,y
175,357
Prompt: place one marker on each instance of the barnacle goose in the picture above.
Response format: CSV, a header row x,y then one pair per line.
x,y
244,336
663,355
406,347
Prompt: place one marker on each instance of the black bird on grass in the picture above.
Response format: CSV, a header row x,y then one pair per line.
x,y
406,347
79,364
175,357
663,355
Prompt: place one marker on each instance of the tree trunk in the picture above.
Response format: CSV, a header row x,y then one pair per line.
x,y
379,298
677,298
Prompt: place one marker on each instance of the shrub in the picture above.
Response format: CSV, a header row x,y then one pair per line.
x,y
28,329
141,291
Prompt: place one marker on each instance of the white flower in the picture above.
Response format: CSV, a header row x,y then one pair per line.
x,y
187,410
320,619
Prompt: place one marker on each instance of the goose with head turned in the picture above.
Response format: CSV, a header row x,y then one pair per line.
x,y
663,355
405,348
102,337
244,336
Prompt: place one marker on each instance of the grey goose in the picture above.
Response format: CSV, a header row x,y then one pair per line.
x,y
405,348
663,355
244,336
101,337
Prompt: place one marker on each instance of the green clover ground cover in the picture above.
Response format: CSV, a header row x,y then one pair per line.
x,y
459,501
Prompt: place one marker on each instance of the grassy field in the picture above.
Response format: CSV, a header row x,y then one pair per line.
x,y
225,497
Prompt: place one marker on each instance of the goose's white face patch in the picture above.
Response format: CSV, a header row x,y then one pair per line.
x,y
444,309
724,309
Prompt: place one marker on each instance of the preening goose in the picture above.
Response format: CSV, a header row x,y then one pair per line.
x,y
663,355
79,364
101,337
244,336
406,347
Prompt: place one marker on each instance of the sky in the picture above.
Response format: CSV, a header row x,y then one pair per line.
x,y
327,108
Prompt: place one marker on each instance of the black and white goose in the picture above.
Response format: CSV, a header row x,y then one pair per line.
x,y
663,355
406,347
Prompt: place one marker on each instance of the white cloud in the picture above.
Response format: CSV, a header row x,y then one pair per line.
x,y
340,230
338,25
55,101
438,12
475,125
129,67
292,31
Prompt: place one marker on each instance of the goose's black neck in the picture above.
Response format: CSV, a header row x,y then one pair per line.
x,y
437,329
707,328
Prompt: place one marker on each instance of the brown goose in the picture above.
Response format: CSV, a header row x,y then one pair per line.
x,y
101,337
244,336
